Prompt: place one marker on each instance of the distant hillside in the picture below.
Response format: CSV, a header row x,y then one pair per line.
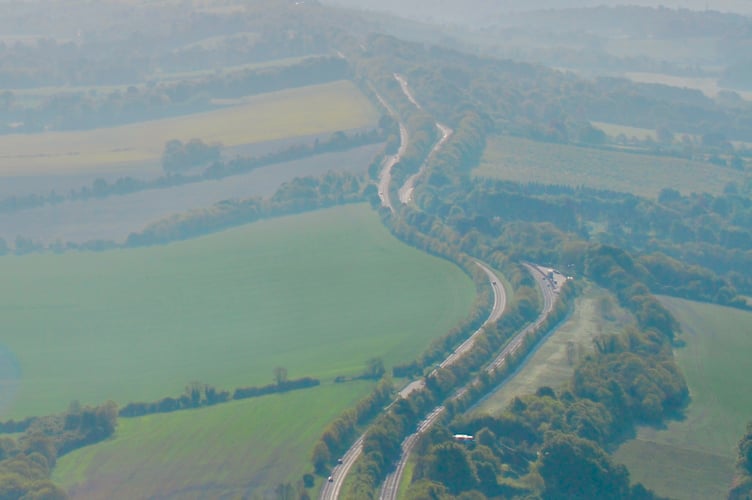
x,y
485,12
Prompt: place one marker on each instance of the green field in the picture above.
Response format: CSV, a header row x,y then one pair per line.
x,y
694,457
553,362
36,95
318,293
689,50
615,130
707,85
522,160
233,450
316,109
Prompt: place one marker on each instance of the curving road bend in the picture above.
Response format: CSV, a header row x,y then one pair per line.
x,y
499,303
406,90
385,176
331,490
549,288
406,191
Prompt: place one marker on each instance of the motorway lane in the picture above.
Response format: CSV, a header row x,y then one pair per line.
x,y
499,303
331,489
406,191
391,483
548,306
385,176
406,90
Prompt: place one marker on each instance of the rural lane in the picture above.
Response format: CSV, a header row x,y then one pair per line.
x,y
391,484
331,490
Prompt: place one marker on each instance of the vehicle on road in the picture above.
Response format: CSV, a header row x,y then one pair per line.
x,y
331,479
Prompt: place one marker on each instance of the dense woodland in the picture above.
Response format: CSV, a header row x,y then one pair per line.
x,y
26,460
91,109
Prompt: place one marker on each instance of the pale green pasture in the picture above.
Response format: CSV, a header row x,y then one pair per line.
x,y
318,293
553,362
694,455
523,160
231,450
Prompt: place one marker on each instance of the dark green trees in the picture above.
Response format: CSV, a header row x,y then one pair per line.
x,y
576,468
179,156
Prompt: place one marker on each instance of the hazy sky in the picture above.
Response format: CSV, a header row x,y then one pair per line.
x,y
484,11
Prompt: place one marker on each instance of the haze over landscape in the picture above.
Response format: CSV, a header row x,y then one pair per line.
x,y
358,249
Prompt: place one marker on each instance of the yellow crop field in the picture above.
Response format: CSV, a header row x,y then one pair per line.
x,y
317,109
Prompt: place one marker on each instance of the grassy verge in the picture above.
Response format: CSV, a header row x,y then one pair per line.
x,y
553,362
698,451
234,450
276,115
407,479
522,160
318,293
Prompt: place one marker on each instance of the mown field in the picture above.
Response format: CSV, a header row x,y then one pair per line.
x,y
34,96
615,130
287,113
707,85
552,364
115,217
691,50
235,450
522,160
318,293
693,458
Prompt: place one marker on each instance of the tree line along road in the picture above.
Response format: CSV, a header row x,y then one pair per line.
x,y
549,288
331,489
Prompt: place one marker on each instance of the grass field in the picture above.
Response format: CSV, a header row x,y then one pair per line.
x,y
318,293
34,96
614,130
115,217
695,50
234,450
276,115
707,85
693,458
522,160
553,362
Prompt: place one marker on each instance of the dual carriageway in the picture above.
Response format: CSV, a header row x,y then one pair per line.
x,y
547,282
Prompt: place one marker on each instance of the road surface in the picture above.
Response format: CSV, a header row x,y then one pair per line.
x,y
406,90
385,175
406,191
331,490
548,292
549,289
499,303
